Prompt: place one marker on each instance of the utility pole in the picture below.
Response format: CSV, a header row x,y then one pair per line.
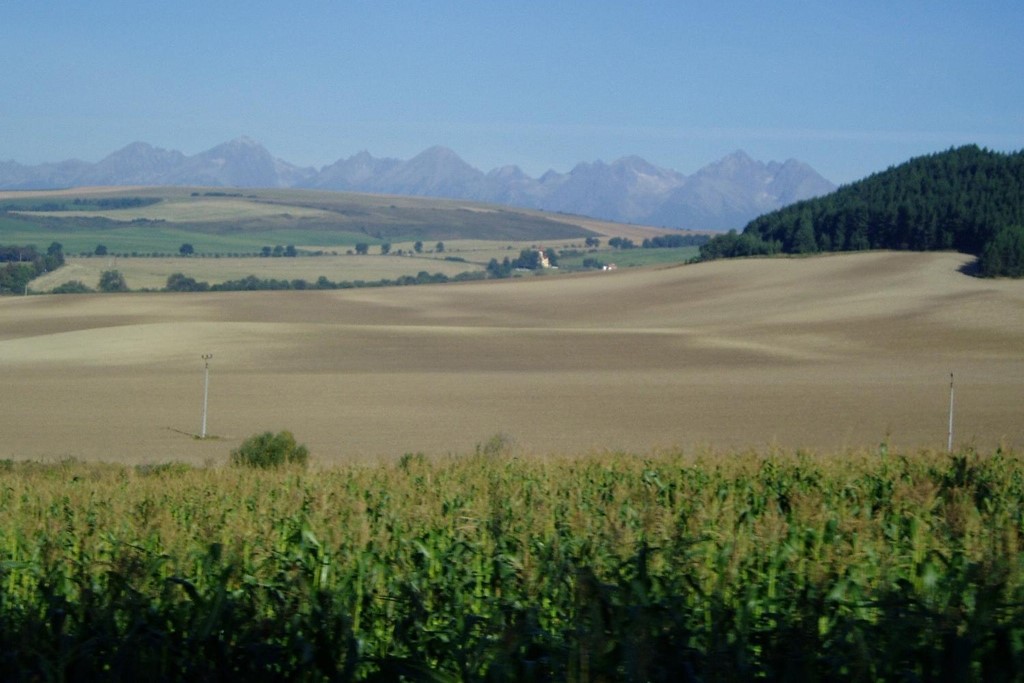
x,y
206,389
949,440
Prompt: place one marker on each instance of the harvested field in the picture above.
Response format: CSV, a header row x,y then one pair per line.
x,y
829,353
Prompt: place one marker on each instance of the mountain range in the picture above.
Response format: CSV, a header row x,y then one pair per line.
x,y
722,195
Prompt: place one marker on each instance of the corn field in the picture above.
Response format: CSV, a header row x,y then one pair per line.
x,y
489,567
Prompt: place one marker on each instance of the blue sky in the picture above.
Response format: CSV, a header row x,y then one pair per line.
x,y
848,87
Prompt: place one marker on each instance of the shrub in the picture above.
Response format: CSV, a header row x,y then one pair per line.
x,y
112,281
498,445
72,287
268,450
179,282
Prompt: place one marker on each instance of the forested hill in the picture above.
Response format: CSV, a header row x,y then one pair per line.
x,y
969,199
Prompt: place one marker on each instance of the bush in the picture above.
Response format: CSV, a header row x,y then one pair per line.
x,y
71,287
267,451
497,446
112,281
179,282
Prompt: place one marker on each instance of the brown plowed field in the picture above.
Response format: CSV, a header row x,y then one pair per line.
x,y
829,354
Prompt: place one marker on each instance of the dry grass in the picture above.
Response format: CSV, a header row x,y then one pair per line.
x,y
609,229
828,353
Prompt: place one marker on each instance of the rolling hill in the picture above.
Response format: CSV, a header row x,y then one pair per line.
x,y
828,353
142,231
147,219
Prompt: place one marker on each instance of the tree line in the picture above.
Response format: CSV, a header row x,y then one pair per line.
x,y
967,199
24,264
80,204
179,282
670,241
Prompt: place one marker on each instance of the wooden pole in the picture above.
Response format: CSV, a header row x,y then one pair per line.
x,y
949,440
206,390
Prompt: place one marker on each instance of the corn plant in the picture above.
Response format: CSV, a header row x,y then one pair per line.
x,y
491,567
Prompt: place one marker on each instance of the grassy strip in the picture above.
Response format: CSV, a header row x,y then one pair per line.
x,y
152,273
150,238
617,567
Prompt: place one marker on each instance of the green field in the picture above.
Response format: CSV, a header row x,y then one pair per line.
x,y
459,256
629,258
217,221
142,229
499,566
166,239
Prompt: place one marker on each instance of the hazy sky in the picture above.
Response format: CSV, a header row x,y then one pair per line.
x,y
849,87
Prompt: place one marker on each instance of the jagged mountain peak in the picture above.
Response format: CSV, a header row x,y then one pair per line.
x,y
138,163
739,156
137,150
732,191
439,152
724,194
435,172
732,163
134,148
636,163
587,167
242,141
442,160
361,156
239,146
508,172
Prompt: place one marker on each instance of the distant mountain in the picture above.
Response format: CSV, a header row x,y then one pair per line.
x,y
725,194
729,193
360,170
136,164
627,190
240,163
14,176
